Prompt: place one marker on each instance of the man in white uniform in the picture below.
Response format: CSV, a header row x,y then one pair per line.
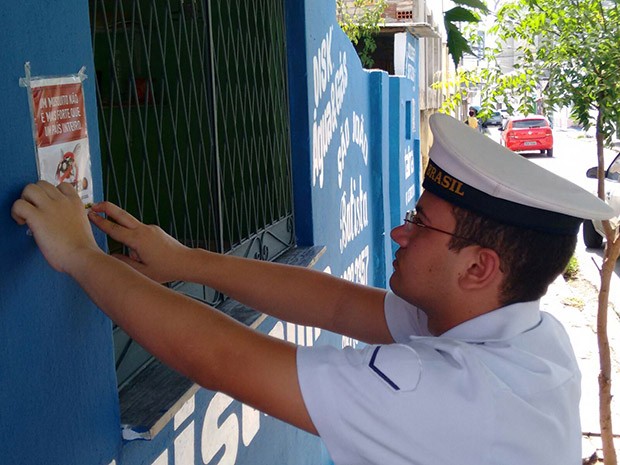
x,y
461,366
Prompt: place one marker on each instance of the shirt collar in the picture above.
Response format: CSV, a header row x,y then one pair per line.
x,y
498,325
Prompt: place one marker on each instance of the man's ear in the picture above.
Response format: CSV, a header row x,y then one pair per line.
x,y
482,268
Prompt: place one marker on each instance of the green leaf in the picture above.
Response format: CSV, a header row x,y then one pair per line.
x,y
457,44
477,4
461,14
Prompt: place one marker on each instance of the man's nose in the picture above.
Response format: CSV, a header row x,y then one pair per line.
x,y
400,235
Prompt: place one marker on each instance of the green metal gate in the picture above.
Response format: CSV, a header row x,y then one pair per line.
x,y
194,127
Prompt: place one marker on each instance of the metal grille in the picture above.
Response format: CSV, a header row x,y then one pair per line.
x,y
194,127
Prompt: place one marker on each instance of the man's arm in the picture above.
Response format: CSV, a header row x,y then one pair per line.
x,y
191,337
294,294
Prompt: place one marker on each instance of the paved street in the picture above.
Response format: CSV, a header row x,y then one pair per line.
x,y
576,304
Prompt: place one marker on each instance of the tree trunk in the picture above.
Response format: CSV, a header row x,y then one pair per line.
x,y
612,251
604,377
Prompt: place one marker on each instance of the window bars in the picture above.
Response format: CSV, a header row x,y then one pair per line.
x,y
194,127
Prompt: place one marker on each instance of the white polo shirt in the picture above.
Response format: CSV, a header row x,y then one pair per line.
x,y
502,388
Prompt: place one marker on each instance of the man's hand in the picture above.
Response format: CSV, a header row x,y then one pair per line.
x,y
57,218
151,251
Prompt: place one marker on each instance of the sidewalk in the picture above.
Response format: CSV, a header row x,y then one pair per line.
x,y
576,133
576,307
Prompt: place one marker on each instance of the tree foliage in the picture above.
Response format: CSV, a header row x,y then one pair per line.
x,y
361,20
573,47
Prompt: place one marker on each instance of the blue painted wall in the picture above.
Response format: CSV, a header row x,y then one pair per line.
x,y
57,379
350,182
351,140
405,163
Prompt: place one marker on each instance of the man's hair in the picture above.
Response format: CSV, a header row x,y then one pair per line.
x,y
529,259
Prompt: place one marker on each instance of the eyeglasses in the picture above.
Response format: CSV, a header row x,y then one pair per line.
x,y
411,217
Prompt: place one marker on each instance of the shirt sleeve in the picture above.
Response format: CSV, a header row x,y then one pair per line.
x,y
390,404
403,319
348,396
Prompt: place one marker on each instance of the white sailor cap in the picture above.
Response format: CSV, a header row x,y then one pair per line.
x,y
470,170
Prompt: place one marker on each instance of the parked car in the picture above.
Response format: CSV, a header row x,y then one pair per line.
x,y
528,133
592,229
494,119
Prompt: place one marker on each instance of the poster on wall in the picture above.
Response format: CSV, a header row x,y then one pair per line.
x,y
59,130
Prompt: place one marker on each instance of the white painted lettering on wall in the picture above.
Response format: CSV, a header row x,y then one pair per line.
x,y
324,79
322,66
345,139
162,459
410,74
353,213
409,163
410,194
409,170
250,419
359,135
357,271
349,342
184,446
297,334
184,413
218,435
225,436
359,138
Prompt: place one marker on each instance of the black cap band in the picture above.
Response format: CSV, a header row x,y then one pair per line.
x,y
455,191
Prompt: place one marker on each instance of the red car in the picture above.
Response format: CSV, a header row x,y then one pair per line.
x,y
527,134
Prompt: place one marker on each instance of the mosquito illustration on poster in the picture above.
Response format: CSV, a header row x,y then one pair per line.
x,y
60,131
